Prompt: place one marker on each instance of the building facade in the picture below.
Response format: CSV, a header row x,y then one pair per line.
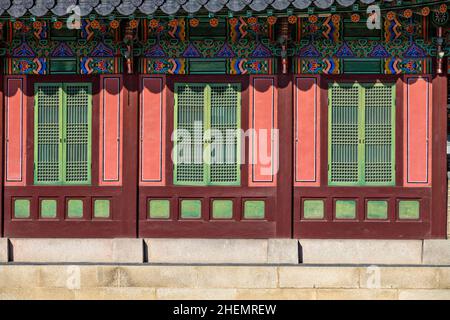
x,y
224,119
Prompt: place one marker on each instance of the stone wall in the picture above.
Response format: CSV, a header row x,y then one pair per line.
x,y
226,251
222,282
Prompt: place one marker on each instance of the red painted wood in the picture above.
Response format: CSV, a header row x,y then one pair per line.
x,y
432,203
15,115
439,166
122,222
417,134
307,131
264,138
152,131
2,145
111,130
276,223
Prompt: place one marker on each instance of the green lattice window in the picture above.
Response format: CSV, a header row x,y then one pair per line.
x,y
62,133
207,139
361,126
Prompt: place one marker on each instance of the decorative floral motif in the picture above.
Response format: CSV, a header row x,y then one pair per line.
x,y
18,25
313,18
271,20
425,11
134,24
194,22
173,23
37,25
57,25
407,13
154,23
355,17
292,19
233,21
252,20
95,24
214,22
390,15
114,24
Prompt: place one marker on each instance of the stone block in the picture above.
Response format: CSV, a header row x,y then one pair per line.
x,y
436,252
318,277
276,294
78,250
198,276
4,250
282,251
336,251
399,277
195,294
357,294
444,277
206,251
115,294
19,276
424,295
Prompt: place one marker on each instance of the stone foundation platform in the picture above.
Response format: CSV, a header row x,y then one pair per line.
x,y
226,251
223,282
224,269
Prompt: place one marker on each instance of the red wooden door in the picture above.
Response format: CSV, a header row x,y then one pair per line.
x,y
105,206
413,206
257,207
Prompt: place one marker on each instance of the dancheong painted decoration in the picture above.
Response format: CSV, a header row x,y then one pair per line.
x,y
224,118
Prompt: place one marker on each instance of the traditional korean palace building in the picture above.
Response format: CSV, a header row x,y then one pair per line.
x,y
123,118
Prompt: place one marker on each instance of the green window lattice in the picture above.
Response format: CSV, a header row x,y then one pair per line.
x,y
62,133
361,127
207,140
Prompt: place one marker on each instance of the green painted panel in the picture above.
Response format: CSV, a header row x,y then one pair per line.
x,y
189,117
47,133
75,208
208,66
48,208
102,208
204,30
191,209
207,139
21,208
313,209
362,66
254,209
224,121
222,209
345,209
62,134
377,209
77,133
344,125
361,128
63,66
379,137
159,209
359,30
409,209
